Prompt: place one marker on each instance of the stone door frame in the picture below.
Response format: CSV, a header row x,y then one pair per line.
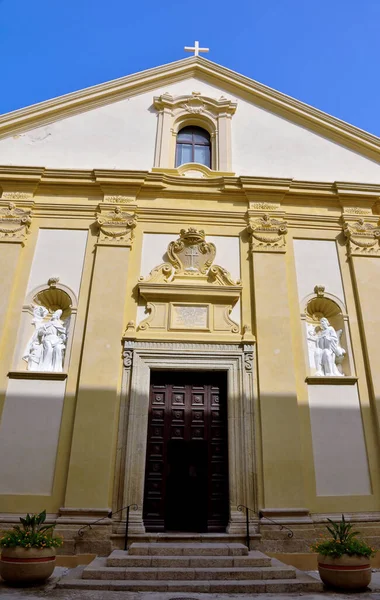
x,y
138,360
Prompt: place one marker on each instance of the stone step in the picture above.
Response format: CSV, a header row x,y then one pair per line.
x,y
120,558
180,549
186,574
302,584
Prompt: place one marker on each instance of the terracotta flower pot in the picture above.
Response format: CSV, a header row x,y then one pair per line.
x,y
26,565
346,572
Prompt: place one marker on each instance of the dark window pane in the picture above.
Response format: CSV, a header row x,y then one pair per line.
x,y
202,155
193,145
185,135
184,154
201,136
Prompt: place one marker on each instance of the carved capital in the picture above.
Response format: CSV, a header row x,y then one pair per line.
x,y
267,234
14,222
115,227
248,357
363,237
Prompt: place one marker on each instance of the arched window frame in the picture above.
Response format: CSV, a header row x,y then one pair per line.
x,y
194,130
175,113
202,124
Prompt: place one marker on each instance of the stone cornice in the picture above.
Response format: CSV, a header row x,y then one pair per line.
x,y
160,179
77,194
235,83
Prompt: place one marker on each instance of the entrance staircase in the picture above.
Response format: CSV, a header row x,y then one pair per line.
x,y
189,567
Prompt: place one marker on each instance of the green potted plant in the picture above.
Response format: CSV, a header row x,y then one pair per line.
x,y
343,559
28,550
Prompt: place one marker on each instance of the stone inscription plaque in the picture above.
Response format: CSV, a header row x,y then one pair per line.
x,y
189,316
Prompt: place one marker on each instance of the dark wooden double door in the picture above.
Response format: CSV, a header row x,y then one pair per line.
x,y
186,477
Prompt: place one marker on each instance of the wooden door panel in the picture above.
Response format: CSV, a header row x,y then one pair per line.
x,y
187,408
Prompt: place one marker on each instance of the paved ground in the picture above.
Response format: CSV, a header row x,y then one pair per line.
x,y
48,591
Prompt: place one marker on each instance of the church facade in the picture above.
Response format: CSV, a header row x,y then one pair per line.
x,y
189,315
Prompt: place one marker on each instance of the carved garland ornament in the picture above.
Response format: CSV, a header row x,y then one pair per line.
x,y
116,226
267,234
14,222
362,237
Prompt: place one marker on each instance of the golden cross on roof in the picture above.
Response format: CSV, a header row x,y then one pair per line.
x,y
196,49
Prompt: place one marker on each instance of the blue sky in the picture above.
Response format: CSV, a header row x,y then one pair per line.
x,y
325,53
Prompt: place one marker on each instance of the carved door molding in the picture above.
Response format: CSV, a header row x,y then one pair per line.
x,y
243,435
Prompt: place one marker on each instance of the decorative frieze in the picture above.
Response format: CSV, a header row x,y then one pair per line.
x,y
14,222
119,199
17,196
115,227
264,206
267,234
363,237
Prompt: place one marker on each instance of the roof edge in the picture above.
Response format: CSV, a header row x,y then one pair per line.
x,y
305,115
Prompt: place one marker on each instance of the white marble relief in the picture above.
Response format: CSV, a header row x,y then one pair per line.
x,y
190,317
325,352
46,348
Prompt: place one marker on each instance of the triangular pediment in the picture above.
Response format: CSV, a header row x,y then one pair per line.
x,y
272,119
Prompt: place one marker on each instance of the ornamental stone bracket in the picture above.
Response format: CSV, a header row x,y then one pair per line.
x,y
189,294
267,234
363,236
115,226
14,222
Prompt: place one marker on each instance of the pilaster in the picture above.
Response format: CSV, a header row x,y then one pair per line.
x,y
14,224
90,477
280,430
363,252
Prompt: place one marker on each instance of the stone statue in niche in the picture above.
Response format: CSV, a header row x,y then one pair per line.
x,y
325,352
46,348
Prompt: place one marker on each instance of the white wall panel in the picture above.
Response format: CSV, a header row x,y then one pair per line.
x,y
317,263
29,433
58,252
340,458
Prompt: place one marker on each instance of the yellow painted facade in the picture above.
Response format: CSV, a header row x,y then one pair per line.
x,y
273,432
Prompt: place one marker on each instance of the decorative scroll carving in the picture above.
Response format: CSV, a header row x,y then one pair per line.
x,y
267,234
363,238
127,358
189,293
248,357
195,104
116,227
191,256
14,222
